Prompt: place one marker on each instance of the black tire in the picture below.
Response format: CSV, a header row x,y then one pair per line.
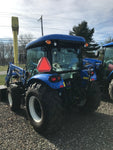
x,y
44,108
93,98
3,94
14,97
110,89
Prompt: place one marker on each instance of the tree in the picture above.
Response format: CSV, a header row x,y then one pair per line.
x,y
2,59
83,30
6,52
109,39
23,40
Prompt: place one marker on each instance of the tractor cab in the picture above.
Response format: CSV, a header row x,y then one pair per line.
x,y
108,58
55,54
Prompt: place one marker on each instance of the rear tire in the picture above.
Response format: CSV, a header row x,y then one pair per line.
x,y
14,97
93,98
44,108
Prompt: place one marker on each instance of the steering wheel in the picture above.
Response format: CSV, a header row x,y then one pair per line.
x,y
57,67
109,62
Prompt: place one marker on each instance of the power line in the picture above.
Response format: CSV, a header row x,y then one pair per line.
x,y
34,27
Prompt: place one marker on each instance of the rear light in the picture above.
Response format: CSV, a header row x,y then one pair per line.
x,y
61,86
92,73
55,79
92,79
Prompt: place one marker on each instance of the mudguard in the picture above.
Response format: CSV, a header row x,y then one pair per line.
x,y
86,77
92,63
91,60
45,78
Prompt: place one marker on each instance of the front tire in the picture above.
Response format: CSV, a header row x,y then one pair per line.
x,y
14,97
44,108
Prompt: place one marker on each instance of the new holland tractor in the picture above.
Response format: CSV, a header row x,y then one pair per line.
x,y
107,69
54,79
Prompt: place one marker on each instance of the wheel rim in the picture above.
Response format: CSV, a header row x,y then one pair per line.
x,y
10,99
35,109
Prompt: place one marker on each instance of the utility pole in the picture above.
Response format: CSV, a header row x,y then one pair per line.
x,y
41,19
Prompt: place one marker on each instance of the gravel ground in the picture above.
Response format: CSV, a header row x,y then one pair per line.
x,y
79,132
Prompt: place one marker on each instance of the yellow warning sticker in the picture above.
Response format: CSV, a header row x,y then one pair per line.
x,y
64,84
85,78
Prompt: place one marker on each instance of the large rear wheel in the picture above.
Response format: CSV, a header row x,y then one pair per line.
x,y
44,108
92,99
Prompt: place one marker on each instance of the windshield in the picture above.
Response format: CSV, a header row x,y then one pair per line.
x,y
65,59
33,57
108,56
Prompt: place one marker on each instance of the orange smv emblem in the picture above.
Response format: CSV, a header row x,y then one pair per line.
x,y
44,65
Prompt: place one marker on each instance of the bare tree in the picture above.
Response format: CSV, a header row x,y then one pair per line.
x,y
6,49
23,40
6,52
1,53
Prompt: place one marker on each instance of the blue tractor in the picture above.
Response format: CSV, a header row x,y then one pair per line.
x,y
54,79
107,70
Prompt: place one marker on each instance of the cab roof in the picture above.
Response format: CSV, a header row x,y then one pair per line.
x,y
108,44
77,39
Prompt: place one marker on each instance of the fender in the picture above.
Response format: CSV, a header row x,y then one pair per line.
x,y
45,78
86,77
91,60
93,77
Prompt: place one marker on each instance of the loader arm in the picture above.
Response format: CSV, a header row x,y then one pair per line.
x,y
15,72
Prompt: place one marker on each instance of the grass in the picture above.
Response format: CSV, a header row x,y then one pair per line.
x,y
2,79
3,68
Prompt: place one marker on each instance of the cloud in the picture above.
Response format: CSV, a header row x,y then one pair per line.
x,y
59,16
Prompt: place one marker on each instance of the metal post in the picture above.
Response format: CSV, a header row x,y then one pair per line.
x,y
15,28
15,46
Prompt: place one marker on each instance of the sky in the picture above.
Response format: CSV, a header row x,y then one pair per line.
x,y
59,16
